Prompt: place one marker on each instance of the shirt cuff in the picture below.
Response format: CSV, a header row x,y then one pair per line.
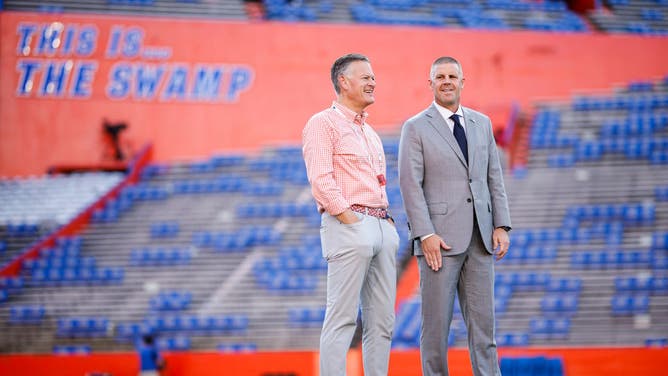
x,y
424,237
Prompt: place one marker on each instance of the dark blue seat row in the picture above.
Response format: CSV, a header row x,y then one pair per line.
x,y
26,314
264,189
529,237
627,212
274,210
237,347
216,162
21,229
76,276
366,13
531,255
531,366
88,327
626,304
237,241
178,343
11,283
660,240
287,282
524,281
661,193
204,325
160,256
649,285
564,285
510,339
656,342
71,349
171,301
154,169
552,328
560,305
634,103
616,259
111,210
222,184
306,316
59,263
635,124
144,192
168,229
313,262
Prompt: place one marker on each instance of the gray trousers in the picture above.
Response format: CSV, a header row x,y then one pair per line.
x,y
471,274
361,270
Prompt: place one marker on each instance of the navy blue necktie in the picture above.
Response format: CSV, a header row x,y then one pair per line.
x,y
460,135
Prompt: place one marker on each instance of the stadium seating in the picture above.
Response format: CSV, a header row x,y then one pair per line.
x,y
224,253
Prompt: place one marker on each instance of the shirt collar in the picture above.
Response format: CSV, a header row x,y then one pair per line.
x,y
447,113
349,114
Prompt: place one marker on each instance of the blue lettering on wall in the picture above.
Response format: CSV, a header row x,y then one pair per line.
x,y
87,41
27,69
147,79
49,39
25,32
207,83
120,77
54,78
132,42
176,85
240,79
146,73
68,41
84,74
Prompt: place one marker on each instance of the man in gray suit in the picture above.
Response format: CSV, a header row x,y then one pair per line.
x,y
452,186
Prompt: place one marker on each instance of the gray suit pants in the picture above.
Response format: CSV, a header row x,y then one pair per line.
x,y
471,275
361,267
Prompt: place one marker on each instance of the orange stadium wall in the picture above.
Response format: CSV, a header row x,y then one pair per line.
x,y
198,87
576,362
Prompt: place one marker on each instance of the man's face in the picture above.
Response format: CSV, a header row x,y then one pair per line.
x,y
358,84
447,83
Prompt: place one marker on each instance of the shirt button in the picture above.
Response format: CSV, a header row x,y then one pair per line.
x,y
468,200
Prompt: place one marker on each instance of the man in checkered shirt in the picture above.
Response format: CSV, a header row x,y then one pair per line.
x,y
346,167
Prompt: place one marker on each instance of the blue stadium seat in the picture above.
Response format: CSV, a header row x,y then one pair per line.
x,y
26,314
178,343
71,349
533,366
624,305
559,305
519,339
237,347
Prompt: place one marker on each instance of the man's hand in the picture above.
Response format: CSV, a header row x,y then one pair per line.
x,y
431,248
347,217
501,241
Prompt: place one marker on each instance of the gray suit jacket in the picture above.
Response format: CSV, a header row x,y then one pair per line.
x,y
440,191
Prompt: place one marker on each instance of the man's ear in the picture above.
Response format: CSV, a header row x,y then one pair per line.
x,y
343,82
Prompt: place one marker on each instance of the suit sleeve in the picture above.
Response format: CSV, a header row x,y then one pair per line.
x,y
497,190
411,176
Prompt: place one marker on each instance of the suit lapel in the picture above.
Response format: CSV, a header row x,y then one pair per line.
x,y
471,133
438,123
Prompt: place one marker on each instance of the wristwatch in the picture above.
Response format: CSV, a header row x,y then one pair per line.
x,y
506,228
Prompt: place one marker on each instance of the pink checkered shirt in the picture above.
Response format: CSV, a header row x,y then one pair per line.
x,y
344,157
